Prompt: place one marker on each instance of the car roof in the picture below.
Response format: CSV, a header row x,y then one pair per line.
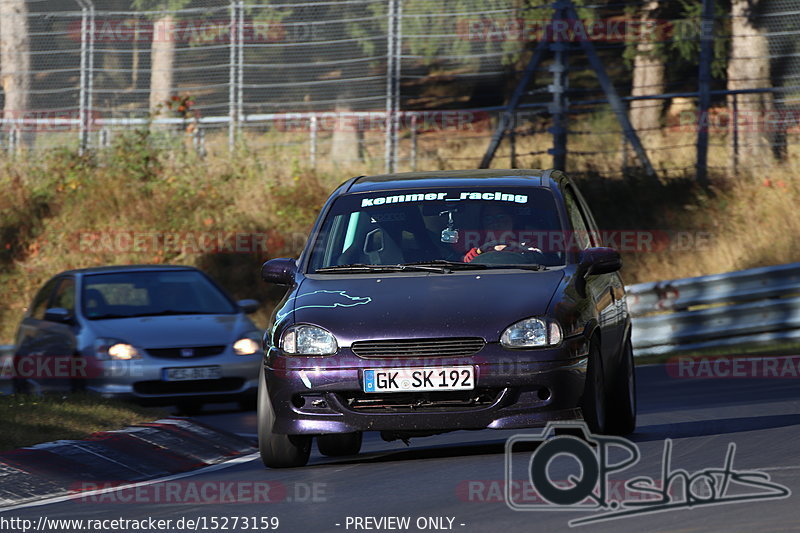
x,y
125,268
453,178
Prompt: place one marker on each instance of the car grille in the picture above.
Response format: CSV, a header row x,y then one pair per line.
x,y
413,402
183,387
175,353
443,347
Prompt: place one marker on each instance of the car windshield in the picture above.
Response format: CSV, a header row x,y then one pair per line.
x,y
449,227
151,293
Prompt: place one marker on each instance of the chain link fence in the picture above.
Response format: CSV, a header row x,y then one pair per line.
x,y
407,83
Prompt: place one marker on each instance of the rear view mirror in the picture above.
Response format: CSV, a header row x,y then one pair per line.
x,y
279,271
374,241
58,314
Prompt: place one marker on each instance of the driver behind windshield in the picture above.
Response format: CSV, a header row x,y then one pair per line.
x,y
498,223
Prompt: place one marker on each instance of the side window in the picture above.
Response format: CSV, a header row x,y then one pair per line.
x,y
65,295
39,305
581,231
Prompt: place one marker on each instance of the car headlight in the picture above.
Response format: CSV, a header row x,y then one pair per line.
x,y
115,349
248,344
304,339
532,333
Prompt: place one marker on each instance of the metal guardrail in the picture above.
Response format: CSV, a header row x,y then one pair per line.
x,y
752,307
6,352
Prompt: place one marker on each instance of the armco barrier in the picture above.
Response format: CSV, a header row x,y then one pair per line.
x,y
753,307
6,351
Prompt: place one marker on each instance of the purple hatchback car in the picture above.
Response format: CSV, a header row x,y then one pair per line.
x,y
436,301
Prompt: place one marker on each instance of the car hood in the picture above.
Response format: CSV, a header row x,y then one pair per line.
x,y
458,304
174,331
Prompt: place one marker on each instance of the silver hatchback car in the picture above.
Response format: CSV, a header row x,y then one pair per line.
x,y
156,334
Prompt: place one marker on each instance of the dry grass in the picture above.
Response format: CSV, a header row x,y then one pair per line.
x,y
29,420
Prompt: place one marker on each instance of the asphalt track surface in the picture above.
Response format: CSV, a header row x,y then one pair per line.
x,y
459,476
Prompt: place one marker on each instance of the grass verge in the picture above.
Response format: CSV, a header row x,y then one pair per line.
x,y
29,420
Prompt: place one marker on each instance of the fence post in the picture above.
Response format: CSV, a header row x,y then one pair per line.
x,y
240,67
199,140
559,104
414,142
82,134
313,141
398,61
103,138
391,106
704,90
232,79
512,138
90,73
735,154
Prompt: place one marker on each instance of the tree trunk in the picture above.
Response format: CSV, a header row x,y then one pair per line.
x,y
648,79
15,63
348,138
748,68
162,58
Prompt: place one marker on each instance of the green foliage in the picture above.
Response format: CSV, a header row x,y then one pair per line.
x,y
684,37
135,153
687,32
159,5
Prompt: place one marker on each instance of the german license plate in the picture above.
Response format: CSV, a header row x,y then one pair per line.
x,y
419,379
190,373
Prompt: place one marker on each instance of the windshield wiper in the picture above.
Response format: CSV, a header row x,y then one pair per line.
x,y
108,315
523,266
449,264
360,267
479,266
170,312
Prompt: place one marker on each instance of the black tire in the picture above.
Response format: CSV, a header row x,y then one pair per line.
x,y
77,385
593,402
277,450
189,409
21,386
248,403
622,396
339,444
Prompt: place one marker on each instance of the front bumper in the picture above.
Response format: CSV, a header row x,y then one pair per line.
x,y
142,380
517,389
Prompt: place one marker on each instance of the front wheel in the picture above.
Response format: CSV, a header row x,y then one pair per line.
x,y
277,450
593,403
622,396
337,445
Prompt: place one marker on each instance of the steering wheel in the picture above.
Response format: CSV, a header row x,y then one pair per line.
x,y
521,251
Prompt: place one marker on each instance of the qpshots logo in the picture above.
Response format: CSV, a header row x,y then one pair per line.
x,y
572,469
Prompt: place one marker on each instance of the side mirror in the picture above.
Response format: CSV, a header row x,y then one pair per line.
x,y
593,261
249,306
279,271
58,314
